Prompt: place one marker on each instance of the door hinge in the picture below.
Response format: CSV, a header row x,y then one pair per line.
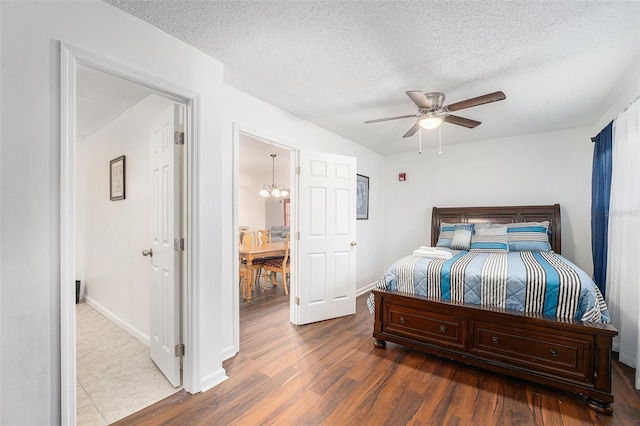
x,y
178,244
178,138
180,349
298,235
297,301
298,170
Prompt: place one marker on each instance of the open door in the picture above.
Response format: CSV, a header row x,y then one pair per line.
x,y
165,250
327,244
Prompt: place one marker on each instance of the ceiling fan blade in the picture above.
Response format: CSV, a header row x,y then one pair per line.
x,y
461,121
480,100
412,131
419,98
389,118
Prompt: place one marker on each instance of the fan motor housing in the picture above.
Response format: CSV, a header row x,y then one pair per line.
x,y
436,99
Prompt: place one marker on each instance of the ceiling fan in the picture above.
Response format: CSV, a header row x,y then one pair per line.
x,y
431,112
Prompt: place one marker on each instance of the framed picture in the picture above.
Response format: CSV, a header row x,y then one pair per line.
x,y
117,178
362,194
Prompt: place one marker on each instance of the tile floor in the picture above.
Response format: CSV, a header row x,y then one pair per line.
x,y
115,374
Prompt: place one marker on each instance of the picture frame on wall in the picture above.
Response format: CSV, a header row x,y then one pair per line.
x,y
362,197
117,180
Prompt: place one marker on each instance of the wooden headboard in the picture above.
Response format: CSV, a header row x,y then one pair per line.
x,y
507,214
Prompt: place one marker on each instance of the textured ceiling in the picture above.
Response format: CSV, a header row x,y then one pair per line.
x,y
338,63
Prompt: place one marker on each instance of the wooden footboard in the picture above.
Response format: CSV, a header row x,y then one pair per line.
x,y
568,355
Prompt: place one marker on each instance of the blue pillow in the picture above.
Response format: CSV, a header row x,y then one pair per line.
x,y
489,243
446,234
528,236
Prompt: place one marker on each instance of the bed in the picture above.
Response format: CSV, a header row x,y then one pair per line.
x,y
548,346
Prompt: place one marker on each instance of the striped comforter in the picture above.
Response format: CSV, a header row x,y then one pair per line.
x,y
535,282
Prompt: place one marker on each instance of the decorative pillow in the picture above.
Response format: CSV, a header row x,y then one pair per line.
x,y
528,236
462,237
481,225
493,240
446,234
502,230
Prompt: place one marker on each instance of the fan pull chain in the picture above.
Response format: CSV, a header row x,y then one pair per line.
x,y
440,139
420,141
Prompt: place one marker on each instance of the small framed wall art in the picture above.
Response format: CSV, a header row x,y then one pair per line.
x,y
117,178
362,200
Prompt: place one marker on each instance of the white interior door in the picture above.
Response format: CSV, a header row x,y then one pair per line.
x,y
165,222
326,249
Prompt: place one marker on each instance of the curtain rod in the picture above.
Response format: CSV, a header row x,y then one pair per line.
x,y
593,139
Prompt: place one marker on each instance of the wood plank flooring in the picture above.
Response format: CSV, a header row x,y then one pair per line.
x,y
329,373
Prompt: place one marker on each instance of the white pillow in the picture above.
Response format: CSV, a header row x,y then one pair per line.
x,y
461,239
492,231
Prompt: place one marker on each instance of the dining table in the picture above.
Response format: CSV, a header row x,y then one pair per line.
x,y
253,252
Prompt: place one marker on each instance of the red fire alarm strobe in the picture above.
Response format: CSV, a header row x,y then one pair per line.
x,y
402,177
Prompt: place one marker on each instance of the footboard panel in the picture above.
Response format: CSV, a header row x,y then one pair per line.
x,y
568,355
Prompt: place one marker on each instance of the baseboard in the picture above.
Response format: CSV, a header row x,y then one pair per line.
x,y
213,379
365,289
229,352
120,323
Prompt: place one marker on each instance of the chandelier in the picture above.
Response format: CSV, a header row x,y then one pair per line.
x,y
273,190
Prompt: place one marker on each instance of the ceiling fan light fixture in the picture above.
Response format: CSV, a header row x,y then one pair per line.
x,y
432,111
430,122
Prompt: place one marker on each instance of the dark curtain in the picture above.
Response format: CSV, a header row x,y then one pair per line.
x,y
600,194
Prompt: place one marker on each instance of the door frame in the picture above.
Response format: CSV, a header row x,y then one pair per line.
x,y
293,282
70,57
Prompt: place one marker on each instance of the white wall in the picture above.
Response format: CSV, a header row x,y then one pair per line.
x,y
30,192
116,278
274,212
251,208
541,168
253,115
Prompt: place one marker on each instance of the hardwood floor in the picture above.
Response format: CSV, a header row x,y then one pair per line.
x,y
329,373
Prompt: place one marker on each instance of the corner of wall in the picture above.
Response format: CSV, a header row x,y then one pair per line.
x,y
213,379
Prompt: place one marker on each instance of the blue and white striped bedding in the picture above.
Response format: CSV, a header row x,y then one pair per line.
x,y
527,281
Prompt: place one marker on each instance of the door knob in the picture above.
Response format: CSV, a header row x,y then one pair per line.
x,y
147,252
353,243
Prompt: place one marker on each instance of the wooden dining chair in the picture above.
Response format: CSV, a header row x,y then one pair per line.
x,y
277,265
263,236
248,238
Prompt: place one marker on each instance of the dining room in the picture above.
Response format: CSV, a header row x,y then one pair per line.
x,y
264,200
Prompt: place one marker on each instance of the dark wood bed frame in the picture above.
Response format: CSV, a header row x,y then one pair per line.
x,y
569,355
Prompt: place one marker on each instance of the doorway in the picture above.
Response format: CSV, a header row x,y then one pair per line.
x,y
253,169
71,58
116,319
323,234
264,167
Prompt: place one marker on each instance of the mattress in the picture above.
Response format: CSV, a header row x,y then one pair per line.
x,y
545,283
